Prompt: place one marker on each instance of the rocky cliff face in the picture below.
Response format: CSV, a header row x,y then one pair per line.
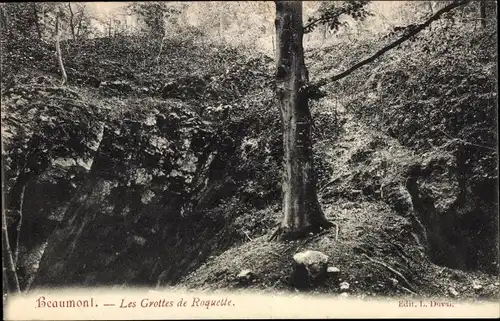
x,y
460,226
137,200
165,190
125,185
452,218
46,200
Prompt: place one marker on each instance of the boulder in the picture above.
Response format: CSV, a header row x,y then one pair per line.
x,y
476,286
453,292
245,277
393,282
344,286
333,273
310,268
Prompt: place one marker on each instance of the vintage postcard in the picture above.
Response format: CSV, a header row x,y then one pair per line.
x,y
249,159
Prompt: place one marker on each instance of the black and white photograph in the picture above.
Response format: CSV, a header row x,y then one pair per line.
x,y
339,150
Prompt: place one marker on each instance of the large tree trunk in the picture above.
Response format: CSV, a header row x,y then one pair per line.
x,y
301,209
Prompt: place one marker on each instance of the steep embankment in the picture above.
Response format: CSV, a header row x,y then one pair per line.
x,y
406,171
436,95
162,171
364,193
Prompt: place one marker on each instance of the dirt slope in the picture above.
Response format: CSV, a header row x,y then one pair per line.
x,y
366,198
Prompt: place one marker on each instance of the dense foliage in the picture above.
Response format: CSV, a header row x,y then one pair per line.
x,y
438,92
330,14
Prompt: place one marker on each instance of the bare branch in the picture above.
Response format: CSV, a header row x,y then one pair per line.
x,y
397,273
315,22
407,36
455,139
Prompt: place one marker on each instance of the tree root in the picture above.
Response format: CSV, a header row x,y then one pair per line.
x,y
248,237
398,274
316,236
407,290
319,230
275,234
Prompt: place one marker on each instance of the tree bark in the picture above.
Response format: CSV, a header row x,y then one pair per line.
x,y
59,54
301,209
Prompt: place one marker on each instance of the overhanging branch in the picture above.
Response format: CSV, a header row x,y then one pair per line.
x,y
408,35
313,23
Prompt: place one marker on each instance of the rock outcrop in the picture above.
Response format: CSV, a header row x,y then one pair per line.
x,y
310,268
135,215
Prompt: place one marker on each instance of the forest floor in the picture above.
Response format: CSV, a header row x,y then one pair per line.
x,y
375,246
371,239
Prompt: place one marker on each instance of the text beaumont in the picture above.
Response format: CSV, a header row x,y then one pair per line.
x,y
42,302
